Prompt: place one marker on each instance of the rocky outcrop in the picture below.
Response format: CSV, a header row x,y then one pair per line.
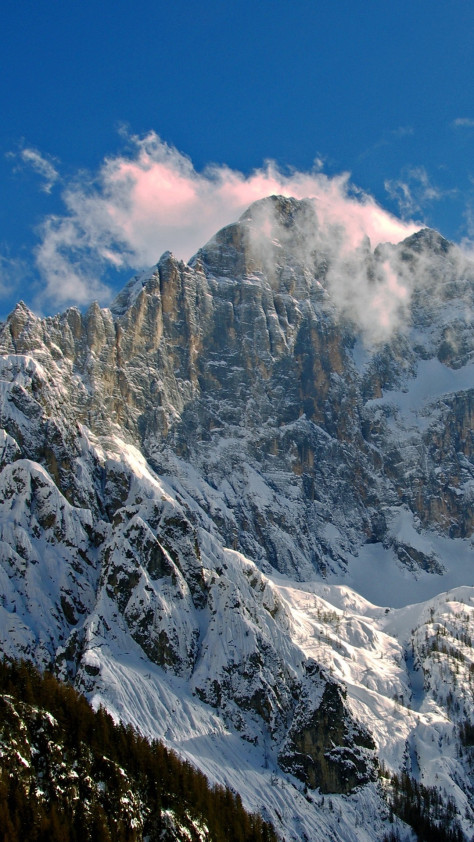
x,y
326,748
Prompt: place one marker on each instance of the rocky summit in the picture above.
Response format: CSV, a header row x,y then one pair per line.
x,y
236,509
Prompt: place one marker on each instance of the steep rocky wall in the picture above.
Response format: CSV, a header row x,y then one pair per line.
x,y
240,366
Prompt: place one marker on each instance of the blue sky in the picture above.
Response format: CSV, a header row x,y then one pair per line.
x,y
132,128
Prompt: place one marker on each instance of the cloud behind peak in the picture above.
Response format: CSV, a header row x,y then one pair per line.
x,y
152,199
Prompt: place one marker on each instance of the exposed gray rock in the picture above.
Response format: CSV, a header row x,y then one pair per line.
x,y
326,748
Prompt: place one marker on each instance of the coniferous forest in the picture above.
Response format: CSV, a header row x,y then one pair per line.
x,y
423,809
69,773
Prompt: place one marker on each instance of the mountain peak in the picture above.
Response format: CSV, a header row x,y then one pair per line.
x,y
21,311
271,231
428,239
20,325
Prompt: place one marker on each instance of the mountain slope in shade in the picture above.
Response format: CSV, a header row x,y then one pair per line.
x,y
207,490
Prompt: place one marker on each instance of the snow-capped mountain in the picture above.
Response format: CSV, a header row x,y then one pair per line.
x,y
236,509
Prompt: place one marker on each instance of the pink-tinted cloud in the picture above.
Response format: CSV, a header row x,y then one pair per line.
x,y
152,200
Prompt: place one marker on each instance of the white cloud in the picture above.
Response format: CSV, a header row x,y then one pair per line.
x,y
152,199
413,191
403,131
467,242
389,138
13,273
463,123
371,291
6,268
42,166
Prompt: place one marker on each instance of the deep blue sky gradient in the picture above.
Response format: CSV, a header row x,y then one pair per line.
x,y
374,88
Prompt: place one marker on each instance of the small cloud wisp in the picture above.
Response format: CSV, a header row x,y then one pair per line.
x,y
413,191
463,123
41,165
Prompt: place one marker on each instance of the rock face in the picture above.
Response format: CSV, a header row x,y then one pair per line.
x,y
241,361
224,422
326,749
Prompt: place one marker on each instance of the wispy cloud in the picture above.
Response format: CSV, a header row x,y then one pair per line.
x,y
13,272
403,131
387,139
414,191
42,165
370,289
463,123
467,242
151,199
